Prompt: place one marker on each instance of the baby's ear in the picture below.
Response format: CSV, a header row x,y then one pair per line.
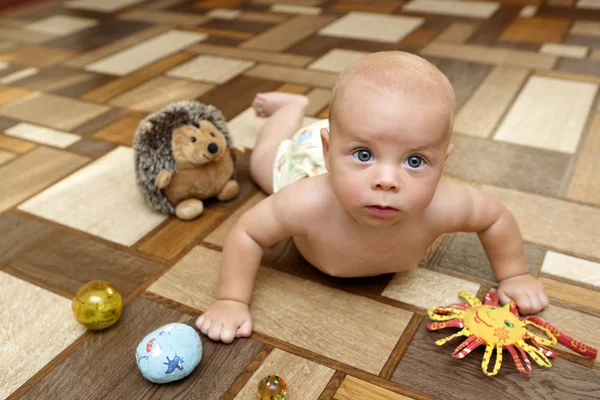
x,y
325,145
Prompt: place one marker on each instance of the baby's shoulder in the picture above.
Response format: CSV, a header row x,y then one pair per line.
x,y
451,205
309,197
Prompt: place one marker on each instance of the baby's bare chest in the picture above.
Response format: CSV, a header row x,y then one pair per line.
x,y
344,252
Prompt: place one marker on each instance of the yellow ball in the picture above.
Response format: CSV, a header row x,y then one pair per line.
x,y
97,305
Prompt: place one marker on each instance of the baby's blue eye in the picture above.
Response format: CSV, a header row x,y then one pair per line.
x,y
363,155
415,161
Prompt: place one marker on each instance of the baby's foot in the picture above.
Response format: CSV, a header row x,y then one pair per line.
x,y
266,104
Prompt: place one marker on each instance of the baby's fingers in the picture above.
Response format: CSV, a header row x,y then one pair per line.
x,y
245,330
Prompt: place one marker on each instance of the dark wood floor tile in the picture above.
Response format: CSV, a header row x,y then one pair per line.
x,y
237,25
64,81
36,9
465,254
317,45
465,76
284,256
579,66
92,148
494,163
491,29
571,13
68,261
6,123
105,364
236,95
583,40
431,369
98,35
11,69
18,232
223,41
100,122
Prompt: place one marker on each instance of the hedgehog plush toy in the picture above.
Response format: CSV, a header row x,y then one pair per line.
x,y
184,155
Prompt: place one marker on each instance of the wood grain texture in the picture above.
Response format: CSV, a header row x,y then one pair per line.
x,y
585,185
9,94
19,232
544,383
34,171
15,145
251,54
68,261
107,351
36,56
293,75
54,325
355,389
91,148
319,332
6,156
176,234
122,130
536,30
304,378
572,294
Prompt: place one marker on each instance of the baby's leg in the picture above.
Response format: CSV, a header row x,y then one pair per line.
x,y
285,112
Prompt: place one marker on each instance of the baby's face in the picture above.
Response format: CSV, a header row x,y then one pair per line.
x,y
385,155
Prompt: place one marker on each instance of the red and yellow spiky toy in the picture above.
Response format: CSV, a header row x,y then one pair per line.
x,y
500,328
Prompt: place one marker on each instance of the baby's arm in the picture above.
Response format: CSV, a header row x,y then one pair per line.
x,y
270,221
469,210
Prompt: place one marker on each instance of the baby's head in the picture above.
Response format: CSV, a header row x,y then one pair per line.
x,y
391,118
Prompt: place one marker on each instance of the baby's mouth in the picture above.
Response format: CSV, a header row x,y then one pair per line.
x,y
382,211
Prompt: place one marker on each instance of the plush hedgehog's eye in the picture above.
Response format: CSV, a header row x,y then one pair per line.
x,y
212,134
193,139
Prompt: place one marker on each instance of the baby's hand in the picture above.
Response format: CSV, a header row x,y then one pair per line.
x,y
225,320
527,291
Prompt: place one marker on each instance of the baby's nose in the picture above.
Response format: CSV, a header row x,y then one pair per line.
x,y
213,148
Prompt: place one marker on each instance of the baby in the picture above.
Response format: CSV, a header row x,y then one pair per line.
x,y
361,193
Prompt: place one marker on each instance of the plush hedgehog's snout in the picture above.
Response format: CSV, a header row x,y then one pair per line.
x,y
213,148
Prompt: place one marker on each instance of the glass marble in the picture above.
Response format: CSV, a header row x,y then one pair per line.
x,y
97,305
272,387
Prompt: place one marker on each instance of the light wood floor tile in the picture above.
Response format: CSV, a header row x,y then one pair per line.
x,y
219,33
549,114
159,92
36,56
577,325
101,5
586,181
61,25
331,325
163,4
245,126
374,27
33,171
293,75
528,11
9,94
43,135
305,379
6,156
17,76
288,33
146,53
336,60
54,326
536,30
355,389
163,17
53,111
452,7
292,60
219,235
489,55
208,4
255,16
15,145
306,3
558,224
292,9
564,50
586,28
427,289
23,35
211,69
595,54
572,268
223,13
108,185
483,110
572,294
319,99
118,86
88,57
590,4
458,32
121,131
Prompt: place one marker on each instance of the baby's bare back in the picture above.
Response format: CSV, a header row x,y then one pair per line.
x,y
337,245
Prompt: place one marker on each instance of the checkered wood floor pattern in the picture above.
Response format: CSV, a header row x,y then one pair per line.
x,y
76,77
